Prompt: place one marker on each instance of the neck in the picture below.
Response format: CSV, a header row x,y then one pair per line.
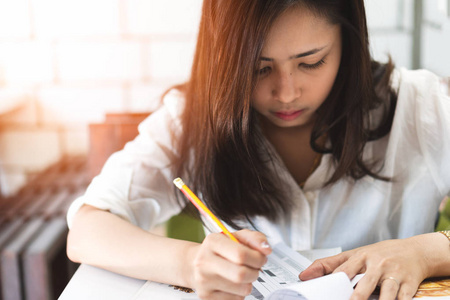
x,y
293,146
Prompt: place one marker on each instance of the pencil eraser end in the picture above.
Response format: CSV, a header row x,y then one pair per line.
x,y
178,182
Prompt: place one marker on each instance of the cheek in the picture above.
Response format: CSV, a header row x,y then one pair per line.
x,y
324,83
327,84
259,96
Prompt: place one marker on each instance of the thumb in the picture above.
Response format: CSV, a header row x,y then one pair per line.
x,y
324,266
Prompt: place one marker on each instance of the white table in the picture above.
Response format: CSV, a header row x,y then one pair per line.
x,y
91,283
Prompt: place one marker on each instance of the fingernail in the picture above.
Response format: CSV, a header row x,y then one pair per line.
x,y
265,245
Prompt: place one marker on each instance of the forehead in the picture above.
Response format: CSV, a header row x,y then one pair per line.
x,y
298,30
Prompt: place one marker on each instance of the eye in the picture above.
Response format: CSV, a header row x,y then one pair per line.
x,y
264,71
312,66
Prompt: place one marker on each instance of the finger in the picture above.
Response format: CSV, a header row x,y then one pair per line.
x,y
220,284
324,266
365,286
219,274
236,273
389,289
228,282
239,254
241,289
407,291
352,267
255,240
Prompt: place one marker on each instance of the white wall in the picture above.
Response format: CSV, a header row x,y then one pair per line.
x,y
65,63
390,25
436,37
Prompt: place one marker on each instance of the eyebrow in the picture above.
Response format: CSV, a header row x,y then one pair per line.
x,y
303,54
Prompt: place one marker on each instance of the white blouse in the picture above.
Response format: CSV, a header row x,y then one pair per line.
x,y
136,182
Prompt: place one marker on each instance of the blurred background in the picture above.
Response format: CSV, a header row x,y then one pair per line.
x,y
65,63
77,76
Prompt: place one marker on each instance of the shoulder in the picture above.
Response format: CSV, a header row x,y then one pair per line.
x,y
168,114
172,104
421,128
420,94
419,83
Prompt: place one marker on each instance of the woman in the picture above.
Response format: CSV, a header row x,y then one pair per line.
x,y
289,131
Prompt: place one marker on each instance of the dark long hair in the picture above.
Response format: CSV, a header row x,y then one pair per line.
x,y
221,150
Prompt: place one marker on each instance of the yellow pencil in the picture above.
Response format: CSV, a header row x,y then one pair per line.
x,y
202,208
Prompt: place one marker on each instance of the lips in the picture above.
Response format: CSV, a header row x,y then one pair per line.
x,y
288,115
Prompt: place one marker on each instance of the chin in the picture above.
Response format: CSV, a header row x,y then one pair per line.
x,y
284,124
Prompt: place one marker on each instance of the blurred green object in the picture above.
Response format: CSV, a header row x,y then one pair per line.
x,y
186,226
444,217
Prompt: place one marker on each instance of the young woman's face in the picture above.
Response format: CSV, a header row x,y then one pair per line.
x,y
298,66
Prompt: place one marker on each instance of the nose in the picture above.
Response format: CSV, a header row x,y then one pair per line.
x,y
286,89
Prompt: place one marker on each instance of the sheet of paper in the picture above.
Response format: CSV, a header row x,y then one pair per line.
x,y
155,290
282,268
335,286
281,271
91,283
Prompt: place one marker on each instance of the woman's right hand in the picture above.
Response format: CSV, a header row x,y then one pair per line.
x,y
223,269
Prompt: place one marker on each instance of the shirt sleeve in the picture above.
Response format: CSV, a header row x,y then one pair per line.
x,y
135,183
421,96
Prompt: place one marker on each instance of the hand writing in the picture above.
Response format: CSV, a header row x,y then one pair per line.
x,y
223,269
